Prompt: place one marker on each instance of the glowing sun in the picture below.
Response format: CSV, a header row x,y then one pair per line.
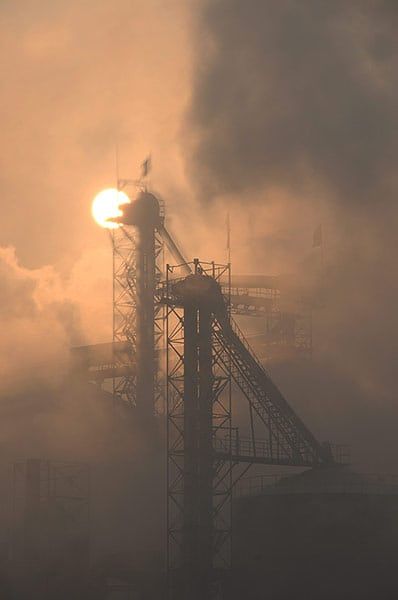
x,y
106,205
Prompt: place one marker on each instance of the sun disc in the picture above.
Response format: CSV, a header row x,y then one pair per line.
x,y
106,205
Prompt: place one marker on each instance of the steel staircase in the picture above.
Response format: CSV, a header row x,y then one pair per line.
x,y
290,441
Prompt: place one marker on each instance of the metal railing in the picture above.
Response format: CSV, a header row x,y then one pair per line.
x,y
244,447
242,338
276,484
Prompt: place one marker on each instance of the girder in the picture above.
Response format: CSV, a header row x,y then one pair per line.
x,y
206,351
290,439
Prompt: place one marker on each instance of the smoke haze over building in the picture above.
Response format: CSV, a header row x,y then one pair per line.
x,y
283,113
293,123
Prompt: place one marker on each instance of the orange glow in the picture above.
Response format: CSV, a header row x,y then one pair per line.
x,y
106,205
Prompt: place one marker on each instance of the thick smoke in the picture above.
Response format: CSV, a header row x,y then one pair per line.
x,y
79,78
289,92
38,325
48,411
293,123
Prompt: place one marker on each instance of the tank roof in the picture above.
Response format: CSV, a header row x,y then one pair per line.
x,y
325,480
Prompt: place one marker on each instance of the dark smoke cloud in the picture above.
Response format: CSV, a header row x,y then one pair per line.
x,y
290,92
293,122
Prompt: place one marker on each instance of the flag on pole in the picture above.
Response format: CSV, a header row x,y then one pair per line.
x,y
146,167
317,238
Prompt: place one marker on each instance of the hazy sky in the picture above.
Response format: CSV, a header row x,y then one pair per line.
x,y
283,112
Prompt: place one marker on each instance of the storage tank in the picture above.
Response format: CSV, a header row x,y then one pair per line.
x,y
323,534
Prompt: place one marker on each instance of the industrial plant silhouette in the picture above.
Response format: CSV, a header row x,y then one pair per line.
x,y
183,518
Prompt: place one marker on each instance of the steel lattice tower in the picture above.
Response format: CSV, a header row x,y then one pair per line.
x,y
206,353
124,312
198,412
206,456
137,314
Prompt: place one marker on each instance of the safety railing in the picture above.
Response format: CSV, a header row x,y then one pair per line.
x,y
276,484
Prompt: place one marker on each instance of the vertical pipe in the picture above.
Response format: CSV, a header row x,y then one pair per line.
x,y
198,453
190,520
206,533
146,274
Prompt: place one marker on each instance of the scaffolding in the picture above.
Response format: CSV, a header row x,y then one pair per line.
x,y
206,354
138,257
124,313
182,346
51,513
198,411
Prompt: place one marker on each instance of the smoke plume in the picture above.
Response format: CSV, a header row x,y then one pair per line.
x,y
293,123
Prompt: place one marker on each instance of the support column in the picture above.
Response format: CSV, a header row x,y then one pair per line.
x,y
205,483
191,522
135,253
198,454
145,343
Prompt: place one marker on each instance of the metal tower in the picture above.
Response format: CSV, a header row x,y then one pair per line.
x,y
189,316
285,332
206,353
198,409
137,316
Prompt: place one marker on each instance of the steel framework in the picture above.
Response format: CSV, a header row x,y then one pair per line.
x,y
189,315
124,312
137,314
206,353
282,331
198,412
51,510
